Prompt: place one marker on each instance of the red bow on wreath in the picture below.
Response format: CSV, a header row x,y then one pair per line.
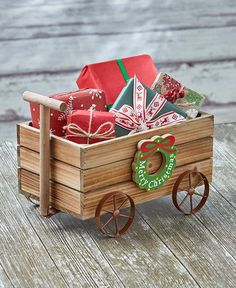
x,y
150,147
173,94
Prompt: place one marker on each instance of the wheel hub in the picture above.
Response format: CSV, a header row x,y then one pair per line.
x,y
199,198
191,191
116,213
112,226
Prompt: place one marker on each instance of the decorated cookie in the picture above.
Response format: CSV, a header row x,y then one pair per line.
x,y
147,148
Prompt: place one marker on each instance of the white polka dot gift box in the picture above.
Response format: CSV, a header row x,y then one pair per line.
x,y
82,99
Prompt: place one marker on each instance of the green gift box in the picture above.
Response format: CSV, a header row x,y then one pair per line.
x,y
139,108
185,98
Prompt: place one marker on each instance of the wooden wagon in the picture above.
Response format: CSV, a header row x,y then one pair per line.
x,y
97,180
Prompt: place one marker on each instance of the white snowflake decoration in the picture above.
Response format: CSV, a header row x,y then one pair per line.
x,y
95,93
68,110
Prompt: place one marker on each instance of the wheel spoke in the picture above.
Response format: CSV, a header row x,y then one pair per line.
x,y
198,194
183,189
182,202
114,202
117,228
110,212
126,216
108,218
190,180
191,203
198,184
123,203
108,221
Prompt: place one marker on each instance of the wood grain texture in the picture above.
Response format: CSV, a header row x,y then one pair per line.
x,y
175,42
206,78
117,149
49,26
52,37
60,171
225,160
29,138
35,248
61,197
20,234
106,152
84,156
120,171
5,281
90,200
210,264
77,255
162,249
83,205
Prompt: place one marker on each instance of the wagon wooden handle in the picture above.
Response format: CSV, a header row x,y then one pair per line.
x,y
45,105
45,101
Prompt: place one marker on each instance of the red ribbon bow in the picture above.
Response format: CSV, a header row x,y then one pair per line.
x,y
150,147
173,94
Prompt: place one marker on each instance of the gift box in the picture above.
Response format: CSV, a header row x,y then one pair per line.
x,y
90,126
181,96
139,108
111,76
82,99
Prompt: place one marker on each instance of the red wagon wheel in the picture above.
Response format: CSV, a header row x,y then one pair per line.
x,y
188,198
111,221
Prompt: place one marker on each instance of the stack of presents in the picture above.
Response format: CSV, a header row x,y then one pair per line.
x,y
118,98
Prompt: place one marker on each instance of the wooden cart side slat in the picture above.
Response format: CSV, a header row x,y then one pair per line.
x,y
148,133
139,196
84,204
61,149
60,171
116,149
112,173
61,197
121,171
90,200
124,148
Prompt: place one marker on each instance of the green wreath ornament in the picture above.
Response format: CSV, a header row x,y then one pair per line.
x,y
146,148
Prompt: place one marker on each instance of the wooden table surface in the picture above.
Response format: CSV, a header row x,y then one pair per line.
x,y
162,249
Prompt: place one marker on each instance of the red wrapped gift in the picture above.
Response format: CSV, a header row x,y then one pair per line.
x,y
81,99
87,127
111,76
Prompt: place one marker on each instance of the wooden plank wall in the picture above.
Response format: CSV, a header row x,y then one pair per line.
x,y
43,46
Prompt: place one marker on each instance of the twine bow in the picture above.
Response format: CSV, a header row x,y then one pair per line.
x,y
150,147
76,131
139,117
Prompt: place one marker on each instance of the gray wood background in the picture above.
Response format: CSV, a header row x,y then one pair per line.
x,y
44,45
